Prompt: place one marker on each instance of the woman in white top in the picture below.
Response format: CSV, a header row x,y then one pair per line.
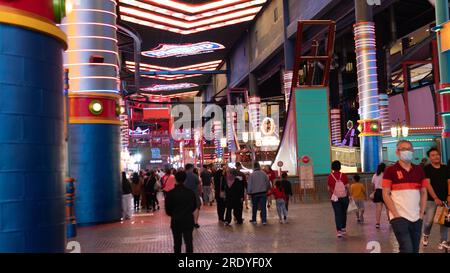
x,y
377,179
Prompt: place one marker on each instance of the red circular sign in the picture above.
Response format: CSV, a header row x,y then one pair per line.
x,y
280,163
305,159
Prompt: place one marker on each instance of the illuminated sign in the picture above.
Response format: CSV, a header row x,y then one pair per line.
x,y
139,132
168,50
156,153
168,87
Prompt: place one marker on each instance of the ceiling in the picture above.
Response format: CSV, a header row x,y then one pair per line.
x,y
173,19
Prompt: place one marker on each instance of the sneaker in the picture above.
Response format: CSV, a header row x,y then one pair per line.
x,y
253,221
264,223
227,224
281,221
343,231
377,226
425,240
339,234
443,244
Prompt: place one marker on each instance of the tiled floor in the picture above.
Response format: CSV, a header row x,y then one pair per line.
x,y
310,229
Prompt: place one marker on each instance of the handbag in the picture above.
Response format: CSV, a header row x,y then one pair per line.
x,y
442,216
351,206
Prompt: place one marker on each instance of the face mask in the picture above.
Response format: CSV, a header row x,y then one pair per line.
x,y
406,156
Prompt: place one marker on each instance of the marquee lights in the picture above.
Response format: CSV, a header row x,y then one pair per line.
x,y
168,87
170,50
163,98
183,18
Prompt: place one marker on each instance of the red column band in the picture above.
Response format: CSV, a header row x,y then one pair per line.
x,y
370,127
445,102
88,108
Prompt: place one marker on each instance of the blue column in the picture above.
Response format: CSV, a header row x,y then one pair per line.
x,y
32,211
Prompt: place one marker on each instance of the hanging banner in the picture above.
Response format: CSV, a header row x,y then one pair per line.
x,y
445,37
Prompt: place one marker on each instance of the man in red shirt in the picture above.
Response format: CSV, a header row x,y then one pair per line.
x,y
405,195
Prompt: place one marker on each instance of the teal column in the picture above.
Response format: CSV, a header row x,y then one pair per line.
x,y
442,16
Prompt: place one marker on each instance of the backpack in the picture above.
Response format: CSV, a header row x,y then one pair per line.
x,y
339,188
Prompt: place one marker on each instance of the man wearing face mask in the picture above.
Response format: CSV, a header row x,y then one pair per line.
x,y
405,195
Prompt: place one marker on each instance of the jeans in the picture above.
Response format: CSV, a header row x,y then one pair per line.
x,y
340,212
281,208
430,211
206,194
177,240
260,199
126,206
407,234
136,201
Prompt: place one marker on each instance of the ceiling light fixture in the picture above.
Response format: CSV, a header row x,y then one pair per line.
x,y
173,50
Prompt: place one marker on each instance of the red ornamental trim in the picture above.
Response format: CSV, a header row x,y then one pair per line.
x,y
368,126
43,8
445,102
79,108
445,134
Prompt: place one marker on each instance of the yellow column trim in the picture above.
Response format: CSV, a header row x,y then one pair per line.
x,y
31,21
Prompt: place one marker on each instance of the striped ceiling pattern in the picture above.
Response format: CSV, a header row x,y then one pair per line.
x,y
180,17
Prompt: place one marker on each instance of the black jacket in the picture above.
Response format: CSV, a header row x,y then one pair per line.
x,y
286,185
219,183
126,187
180,204
235,193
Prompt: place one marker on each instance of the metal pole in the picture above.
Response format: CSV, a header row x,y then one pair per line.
x,y
365,46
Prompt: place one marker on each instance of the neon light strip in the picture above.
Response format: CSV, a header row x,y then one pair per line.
x,y
193,9
92,50
99,24
184,32
89,64
93,77
92,37
96,10
93,91
189,25
183,16
194,66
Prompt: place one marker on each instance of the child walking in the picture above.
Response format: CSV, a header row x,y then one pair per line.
x,y
280,199
358,193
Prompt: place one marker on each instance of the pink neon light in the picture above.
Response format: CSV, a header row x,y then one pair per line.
x,y
184,32
92,37
188,25
194,9
188,67
181,15
99,24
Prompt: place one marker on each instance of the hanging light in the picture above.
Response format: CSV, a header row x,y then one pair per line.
x,y
245,137
405,131
223,142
